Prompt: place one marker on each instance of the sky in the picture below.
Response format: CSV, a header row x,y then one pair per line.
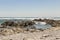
x,y
29,8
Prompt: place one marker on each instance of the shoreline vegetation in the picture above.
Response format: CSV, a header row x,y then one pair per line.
x,y
24,30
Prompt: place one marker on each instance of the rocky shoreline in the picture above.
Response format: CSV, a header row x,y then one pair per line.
x,y
25,29
52,22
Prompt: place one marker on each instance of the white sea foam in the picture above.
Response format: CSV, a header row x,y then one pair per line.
x,y
43,23
55,18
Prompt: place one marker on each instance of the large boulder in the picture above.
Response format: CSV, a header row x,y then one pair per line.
x,y
9,23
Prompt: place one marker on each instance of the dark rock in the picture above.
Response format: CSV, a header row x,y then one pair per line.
x,y
17,23
51,22
41,29
10,39
37,20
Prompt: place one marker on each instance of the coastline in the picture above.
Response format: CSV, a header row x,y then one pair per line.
x,y
23,30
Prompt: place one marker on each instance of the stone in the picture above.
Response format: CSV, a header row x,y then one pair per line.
x,y
7,32
27,38
17,30
17,23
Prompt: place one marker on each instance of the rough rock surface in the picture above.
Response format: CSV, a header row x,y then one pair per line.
x,y
52,22
17,23
49,34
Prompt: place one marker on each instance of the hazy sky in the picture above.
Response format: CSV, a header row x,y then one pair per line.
x,y
29,8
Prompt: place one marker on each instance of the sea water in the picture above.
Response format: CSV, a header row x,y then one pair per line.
x,y
42,26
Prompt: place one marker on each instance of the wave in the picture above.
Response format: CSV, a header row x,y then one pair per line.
x,y
55,18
